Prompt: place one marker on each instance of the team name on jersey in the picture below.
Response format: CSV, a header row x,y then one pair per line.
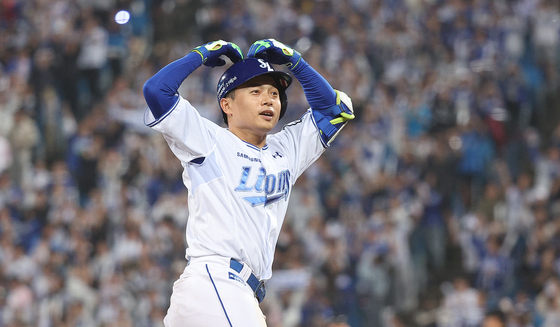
x,y
273,187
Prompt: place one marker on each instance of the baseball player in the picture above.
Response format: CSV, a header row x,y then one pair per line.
x,y
239,178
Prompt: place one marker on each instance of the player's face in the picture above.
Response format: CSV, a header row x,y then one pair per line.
x,y
255,108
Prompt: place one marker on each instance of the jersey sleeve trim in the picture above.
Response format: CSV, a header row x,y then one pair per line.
x,y
151,121
310,113
323,142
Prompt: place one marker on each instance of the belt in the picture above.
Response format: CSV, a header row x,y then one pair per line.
x,y
253,281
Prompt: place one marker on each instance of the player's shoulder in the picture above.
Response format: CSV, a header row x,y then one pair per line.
x,y
301,123
279,139
206,119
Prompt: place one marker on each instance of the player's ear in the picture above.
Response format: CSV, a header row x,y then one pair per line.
x,y
225,104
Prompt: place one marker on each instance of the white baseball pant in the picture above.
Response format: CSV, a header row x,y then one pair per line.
x,y
211,294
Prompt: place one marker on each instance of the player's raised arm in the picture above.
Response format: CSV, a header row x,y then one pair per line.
x,y
160,91
331,108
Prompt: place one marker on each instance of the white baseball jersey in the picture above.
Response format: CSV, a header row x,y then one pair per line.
x,y
238,193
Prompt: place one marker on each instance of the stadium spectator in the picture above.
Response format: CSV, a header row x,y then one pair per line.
x,y
452,168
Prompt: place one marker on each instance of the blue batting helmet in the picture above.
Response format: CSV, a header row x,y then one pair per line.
x,y
248,68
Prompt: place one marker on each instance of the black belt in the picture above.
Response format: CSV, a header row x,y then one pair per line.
x,y
253,281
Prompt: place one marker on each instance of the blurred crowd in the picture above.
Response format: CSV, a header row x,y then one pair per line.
x,y
438,206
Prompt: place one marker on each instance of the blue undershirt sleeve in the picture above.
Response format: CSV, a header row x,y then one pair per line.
x,y
161,90
329,111
319,93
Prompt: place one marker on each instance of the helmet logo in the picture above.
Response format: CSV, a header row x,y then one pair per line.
x,y
266,65
231,80
225,86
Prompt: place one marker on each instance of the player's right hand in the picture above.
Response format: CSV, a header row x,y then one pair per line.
x,y
275,52
211,52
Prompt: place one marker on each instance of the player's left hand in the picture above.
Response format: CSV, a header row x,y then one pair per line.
x,y
212,51
274,52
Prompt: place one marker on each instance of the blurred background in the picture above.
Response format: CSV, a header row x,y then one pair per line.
x,y
438,206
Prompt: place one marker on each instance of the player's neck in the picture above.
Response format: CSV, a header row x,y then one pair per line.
x,y
257,140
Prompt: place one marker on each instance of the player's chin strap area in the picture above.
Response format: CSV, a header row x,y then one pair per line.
x,y
252,280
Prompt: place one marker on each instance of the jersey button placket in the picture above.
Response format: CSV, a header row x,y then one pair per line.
x,y
268,164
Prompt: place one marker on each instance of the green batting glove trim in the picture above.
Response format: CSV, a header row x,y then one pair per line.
x,y
337,120
216,45
262,43
344,118
257,45
291,67
201,55
347,116
236,47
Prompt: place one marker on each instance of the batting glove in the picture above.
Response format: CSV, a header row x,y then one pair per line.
x,y
211,52
275,52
